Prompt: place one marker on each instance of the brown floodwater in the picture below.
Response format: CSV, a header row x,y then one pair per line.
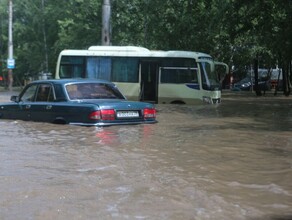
x,y
231,161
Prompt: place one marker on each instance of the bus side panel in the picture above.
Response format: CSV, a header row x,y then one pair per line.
x,y
130,90
184,94
178,93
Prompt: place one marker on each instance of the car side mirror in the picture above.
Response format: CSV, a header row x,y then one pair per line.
x,y
15,98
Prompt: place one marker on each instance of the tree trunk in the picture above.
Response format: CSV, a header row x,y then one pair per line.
x,y
286,77
256,77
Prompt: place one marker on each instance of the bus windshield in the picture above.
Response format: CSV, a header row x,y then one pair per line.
x,y
210,80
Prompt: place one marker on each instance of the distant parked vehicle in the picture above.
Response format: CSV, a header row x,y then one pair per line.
x,y
277,79
248,83
76,102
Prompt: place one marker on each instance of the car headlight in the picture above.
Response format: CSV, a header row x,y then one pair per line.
x,y
245,85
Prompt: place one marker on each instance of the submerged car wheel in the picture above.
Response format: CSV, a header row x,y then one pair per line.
x,y
60,121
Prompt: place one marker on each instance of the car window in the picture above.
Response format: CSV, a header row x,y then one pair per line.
x,y
29,94
44,93
73,92
60,96
102,91
92,91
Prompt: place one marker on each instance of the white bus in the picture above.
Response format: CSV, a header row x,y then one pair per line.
x,y
170,77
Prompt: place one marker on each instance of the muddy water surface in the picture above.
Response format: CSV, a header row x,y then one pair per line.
x,y
228,161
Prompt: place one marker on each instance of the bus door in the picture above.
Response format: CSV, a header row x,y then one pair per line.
x,y
149,81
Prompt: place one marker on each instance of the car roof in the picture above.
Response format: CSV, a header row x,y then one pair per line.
x,y
75,80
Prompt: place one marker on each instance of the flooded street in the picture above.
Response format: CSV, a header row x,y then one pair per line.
x,y
231,161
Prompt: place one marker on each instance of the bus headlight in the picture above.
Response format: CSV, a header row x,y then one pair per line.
x,y
216,101
207,100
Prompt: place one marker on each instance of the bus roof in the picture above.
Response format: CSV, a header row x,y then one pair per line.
x,y
180,53
133,51
118,49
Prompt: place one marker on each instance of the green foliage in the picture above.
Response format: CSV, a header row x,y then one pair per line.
x,y
3,29
80,25
232,31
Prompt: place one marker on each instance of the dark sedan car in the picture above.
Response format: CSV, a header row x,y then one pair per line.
x,y
247,83
77,102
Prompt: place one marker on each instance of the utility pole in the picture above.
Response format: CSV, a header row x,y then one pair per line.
x,y
1,60
10,60
45,38
106,15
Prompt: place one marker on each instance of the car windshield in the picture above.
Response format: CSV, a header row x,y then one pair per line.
x,y
245,80
77,91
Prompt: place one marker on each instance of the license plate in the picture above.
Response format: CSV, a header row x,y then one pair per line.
x,y
128,114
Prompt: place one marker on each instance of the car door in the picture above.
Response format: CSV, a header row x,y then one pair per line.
x,y
42,107
26,100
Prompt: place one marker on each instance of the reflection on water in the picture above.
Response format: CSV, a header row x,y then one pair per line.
x,y
227,161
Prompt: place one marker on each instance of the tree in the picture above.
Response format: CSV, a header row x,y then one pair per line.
x,y
80,25
232,31
3,37
34,35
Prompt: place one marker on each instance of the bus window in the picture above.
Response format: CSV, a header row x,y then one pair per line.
x,y
179,70
125,70
178,75
98,68
72,67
